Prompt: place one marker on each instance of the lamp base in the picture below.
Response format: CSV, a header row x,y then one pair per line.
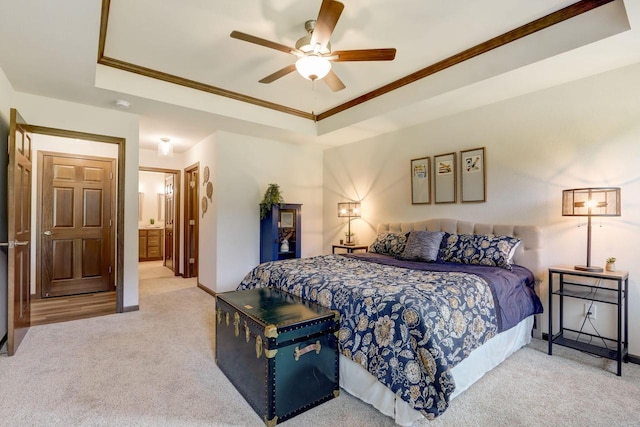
x,y
588,268
349,243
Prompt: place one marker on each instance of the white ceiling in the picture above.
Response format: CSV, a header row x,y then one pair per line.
x,y
51,49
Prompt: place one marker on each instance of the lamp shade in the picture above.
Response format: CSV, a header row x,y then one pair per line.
x,y
349,210
597,201
313,67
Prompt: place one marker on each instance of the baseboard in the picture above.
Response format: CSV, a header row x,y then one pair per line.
x,y
207,290
631,358
130,308
634,359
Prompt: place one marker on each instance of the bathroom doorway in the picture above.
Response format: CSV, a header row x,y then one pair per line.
x,y
159,217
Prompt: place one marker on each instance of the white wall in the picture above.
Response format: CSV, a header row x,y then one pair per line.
x,y
579,134
41,111
150,159
241,169
55,144
150,184
245,167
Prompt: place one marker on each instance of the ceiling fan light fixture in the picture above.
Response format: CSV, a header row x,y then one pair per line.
x,y
313,67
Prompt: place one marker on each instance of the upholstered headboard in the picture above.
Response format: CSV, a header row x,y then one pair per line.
x,y
528,254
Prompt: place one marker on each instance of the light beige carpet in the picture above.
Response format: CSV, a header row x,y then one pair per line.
x,y
155,367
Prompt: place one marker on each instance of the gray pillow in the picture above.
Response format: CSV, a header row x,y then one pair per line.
x,y
422,246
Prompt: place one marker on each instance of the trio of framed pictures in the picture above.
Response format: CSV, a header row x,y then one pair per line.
x,y
445,171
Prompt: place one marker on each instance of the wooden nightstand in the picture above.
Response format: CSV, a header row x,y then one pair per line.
x,y
591,286
350,249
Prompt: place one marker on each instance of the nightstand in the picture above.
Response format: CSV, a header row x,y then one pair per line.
x,y
350,249
598,287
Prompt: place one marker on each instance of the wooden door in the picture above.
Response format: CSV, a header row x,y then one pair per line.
x,y
19,233
169,220
77,234
191,220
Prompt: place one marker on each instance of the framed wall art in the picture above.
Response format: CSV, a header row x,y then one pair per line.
x,y
287,219
473,175
420,181
444,177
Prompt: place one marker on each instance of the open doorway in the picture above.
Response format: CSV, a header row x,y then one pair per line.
x,y
102,264
159,218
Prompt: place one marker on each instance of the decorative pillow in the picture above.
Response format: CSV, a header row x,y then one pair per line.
x,y
422,246
389,244
479,249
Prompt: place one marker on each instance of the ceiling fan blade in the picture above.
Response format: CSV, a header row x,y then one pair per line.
x,y
330,12
333,81
280,73
262,42
364,55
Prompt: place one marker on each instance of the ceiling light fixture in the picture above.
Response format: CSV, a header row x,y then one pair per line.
x,y
165,148
313,67
121,103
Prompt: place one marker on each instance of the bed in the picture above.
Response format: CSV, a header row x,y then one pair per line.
x,y
416,334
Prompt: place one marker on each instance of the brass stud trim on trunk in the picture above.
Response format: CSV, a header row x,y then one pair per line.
x,y
270,354
272,422
271,331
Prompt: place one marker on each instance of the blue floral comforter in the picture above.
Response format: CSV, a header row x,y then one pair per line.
x,y
407,327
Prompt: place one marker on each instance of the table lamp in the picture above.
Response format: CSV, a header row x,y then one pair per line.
x,y
597,201
349,210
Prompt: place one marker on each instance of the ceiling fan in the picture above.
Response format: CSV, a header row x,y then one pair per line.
x,y
314,50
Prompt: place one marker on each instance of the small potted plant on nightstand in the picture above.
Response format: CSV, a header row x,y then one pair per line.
x,y
611,264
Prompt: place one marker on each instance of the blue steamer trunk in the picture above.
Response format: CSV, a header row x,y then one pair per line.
x,y
278,350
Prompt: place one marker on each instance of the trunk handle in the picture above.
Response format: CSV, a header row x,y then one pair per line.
x,y
311,347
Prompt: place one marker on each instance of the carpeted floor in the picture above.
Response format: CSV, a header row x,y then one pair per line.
x,y
155,367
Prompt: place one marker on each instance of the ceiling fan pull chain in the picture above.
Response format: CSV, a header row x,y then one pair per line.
x,y
313,97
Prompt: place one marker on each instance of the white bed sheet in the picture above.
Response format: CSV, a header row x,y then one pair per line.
x,y
360,383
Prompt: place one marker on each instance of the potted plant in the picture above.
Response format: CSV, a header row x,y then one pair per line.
x,y
272,196
611,264
350,238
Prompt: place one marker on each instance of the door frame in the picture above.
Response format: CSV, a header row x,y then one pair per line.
x,y
39,212
176,191
189,206
120,194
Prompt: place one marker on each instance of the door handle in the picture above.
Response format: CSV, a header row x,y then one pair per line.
x,y
47,233
13,243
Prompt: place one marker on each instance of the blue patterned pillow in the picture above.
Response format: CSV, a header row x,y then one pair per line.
x,y
422,246
389,244
479,249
